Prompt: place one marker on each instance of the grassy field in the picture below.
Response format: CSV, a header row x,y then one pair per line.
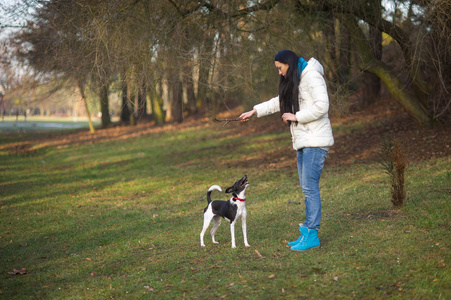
x,y
120,218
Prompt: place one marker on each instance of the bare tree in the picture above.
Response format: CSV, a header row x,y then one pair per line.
x,y
217,51
413,94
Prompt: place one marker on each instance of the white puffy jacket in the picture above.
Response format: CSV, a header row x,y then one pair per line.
x,y
313,128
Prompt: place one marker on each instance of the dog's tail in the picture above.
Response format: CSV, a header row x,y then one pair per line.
x,y
211,189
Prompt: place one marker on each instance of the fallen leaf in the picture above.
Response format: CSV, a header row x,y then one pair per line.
x,y
258,254
148,288
20,271
271,276
231,284
336,278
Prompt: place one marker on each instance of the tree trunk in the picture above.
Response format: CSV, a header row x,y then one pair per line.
x,y
125,110
191,97
132,110
331,53
398,91
157,104
371,86
202,90
418,83
204,56
83,98
142,103
395,87
372,83
104,105
344,69
176,97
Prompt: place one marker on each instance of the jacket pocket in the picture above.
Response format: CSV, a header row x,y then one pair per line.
x,y
307,128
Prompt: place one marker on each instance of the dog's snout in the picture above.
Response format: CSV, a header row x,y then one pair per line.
x,y
244,180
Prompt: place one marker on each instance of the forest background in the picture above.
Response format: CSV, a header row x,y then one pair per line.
x,y
167,60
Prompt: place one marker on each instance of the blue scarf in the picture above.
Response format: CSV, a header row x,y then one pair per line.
x,y
301,66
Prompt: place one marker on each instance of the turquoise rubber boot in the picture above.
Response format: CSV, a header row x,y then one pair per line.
x,y
309,241
304,231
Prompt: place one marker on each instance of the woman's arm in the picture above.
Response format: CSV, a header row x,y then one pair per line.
x,y
263,109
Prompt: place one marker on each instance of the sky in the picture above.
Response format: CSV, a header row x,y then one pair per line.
x,y
12,16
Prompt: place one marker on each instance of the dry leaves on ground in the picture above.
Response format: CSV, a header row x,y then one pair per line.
x,y
20,271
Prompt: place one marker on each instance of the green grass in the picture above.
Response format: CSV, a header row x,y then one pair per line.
x,y
121,219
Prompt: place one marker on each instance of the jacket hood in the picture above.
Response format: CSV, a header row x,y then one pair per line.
x,y
314,65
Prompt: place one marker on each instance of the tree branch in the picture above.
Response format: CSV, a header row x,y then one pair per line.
x,y
186,12
268,5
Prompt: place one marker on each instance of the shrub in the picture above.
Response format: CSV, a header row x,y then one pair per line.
x,y
393,160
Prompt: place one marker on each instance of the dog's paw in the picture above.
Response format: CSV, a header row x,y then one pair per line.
x,y
202,245
233,246
215,242
247,245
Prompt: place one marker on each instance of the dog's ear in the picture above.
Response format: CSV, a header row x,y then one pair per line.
x,y
229,190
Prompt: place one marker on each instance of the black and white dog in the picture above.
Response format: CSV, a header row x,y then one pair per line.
x,y
232,210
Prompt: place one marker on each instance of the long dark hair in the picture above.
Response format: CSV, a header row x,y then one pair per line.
x,y
288,84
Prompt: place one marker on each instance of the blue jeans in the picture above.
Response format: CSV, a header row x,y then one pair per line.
x,y
310,165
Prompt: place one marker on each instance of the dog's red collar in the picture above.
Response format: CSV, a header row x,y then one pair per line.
x,y
239,199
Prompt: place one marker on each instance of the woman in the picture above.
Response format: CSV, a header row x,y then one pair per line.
x,y
303,103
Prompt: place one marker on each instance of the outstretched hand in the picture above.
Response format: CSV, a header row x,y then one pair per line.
x,y
247,115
